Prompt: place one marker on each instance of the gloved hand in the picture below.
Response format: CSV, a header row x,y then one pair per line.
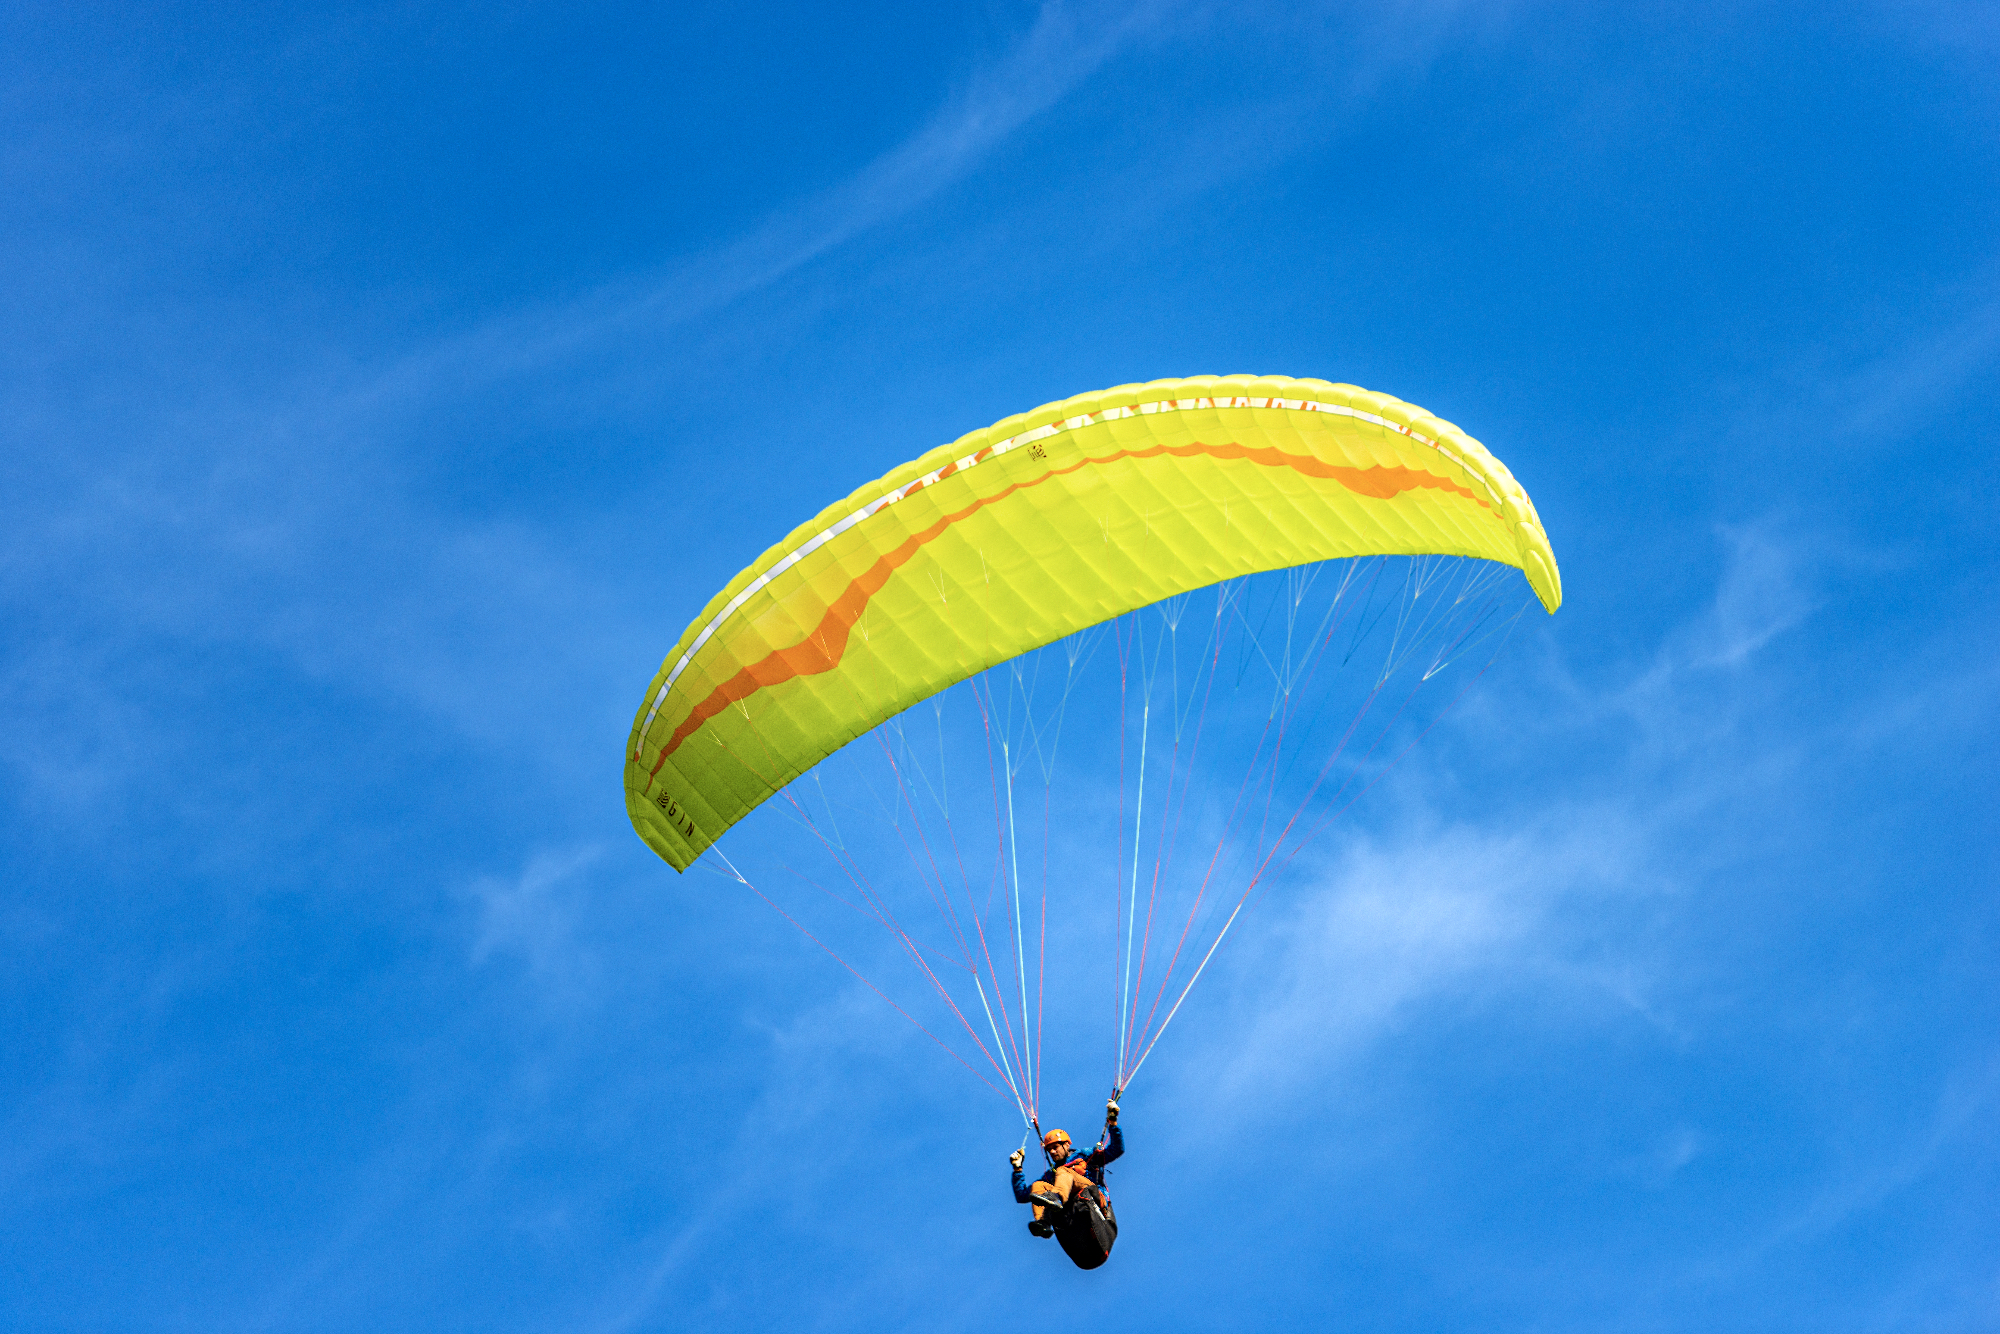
x,y
1018,1157
1111,1113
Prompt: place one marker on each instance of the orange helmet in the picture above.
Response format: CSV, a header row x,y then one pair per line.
x,y
1055,1137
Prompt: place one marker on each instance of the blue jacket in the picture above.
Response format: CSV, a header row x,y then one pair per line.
x,y
1108,1149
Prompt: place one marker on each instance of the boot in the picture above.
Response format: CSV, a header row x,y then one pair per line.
x,y
1041,1229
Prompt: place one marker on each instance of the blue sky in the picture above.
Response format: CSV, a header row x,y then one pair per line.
x,y
384,388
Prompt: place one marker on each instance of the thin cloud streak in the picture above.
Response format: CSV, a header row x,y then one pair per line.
x,y
532,918
1897,394
1065,45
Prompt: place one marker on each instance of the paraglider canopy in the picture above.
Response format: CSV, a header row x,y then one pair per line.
x,y
1029,530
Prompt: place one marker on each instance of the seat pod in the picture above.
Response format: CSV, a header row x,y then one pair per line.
x,y
1087,1228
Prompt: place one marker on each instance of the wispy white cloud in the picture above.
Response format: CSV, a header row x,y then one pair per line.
x,y
1437,913
1065,45
1666,1157
1896,395
1963,1107
1391,926
1855,390
1961,25
1347,55
1763,594
531,918
809,1101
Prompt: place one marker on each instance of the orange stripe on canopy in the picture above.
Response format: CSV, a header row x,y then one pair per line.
x,y
822,649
